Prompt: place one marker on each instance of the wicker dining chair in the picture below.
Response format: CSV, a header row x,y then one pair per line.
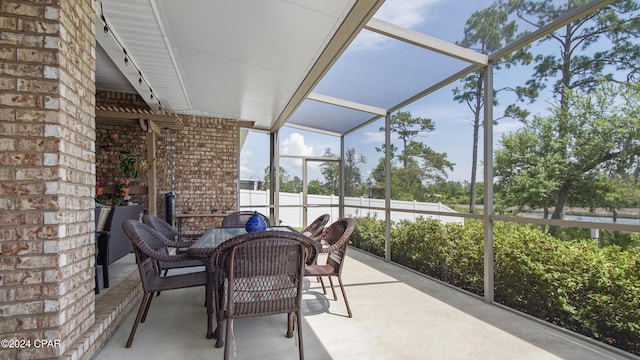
x,y
176,238
150,248
315,228
262,275
167,230
336,236
240,218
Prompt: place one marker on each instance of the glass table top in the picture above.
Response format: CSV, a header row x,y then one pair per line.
x,y
214,237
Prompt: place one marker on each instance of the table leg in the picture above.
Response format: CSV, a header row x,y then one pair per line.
x,y
209,299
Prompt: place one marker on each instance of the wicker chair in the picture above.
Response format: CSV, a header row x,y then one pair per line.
x,y
150,247
240,218
221,262
336,236
172,234
261,274
167,230
317,226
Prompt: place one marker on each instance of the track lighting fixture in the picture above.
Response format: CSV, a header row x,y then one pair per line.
x,y
128,60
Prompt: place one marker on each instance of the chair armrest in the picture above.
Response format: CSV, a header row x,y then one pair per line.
x,y
178,258
177,244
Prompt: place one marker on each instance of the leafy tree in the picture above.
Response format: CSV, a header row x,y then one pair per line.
x,y
353,179
448,192
316,187
527,179
541,164
286,183
415,164
407,128
613,191
573,68
487,31
293,186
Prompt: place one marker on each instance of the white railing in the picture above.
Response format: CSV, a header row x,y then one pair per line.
x,y
291,212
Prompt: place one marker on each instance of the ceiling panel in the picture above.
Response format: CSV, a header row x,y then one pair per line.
x,y
239,59
329,118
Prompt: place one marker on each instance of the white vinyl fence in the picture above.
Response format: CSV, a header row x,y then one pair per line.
x,y
291,207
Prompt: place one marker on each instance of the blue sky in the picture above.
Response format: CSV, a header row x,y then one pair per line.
x,y
386,70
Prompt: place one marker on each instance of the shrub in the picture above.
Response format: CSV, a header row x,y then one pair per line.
x,y
571,283
369,235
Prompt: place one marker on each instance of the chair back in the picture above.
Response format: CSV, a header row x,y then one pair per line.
x,y
118,245
317,226
263,276
337,236
311,247
161,226
148,248
240,218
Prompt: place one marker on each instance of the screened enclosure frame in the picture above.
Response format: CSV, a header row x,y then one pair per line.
x,y
477,61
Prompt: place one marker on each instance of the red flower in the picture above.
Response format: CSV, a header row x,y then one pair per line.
x,y
123,183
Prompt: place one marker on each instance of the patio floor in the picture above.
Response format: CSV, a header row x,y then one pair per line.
x,y
397,314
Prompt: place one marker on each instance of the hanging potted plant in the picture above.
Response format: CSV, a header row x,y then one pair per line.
x,y
132,163
123,187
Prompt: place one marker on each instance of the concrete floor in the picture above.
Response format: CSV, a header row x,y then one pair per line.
x,y
396,315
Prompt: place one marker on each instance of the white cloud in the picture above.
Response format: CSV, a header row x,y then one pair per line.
x,y
404,13
408,14
246,154
245,159
441,113
371,137
295,145
368,40
507,126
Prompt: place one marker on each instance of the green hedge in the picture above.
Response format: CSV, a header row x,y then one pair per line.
x,y
574,284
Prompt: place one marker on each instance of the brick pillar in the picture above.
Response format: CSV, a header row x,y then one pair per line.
x,y
47,173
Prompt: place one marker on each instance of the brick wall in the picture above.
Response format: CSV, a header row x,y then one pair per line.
x,y
205,153
47,172
130,138
118,99
206,164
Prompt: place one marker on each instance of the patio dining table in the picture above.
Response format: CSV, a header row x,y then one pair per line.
x,y
205,248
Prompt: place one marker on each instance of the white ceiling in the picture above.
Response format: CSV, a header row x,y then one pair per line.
x,y
259,61
239,59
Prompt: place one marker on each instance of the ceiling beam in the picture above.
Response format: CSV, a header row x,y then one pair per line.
x,y
314,130
134,117
425,41
347,104
360,13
